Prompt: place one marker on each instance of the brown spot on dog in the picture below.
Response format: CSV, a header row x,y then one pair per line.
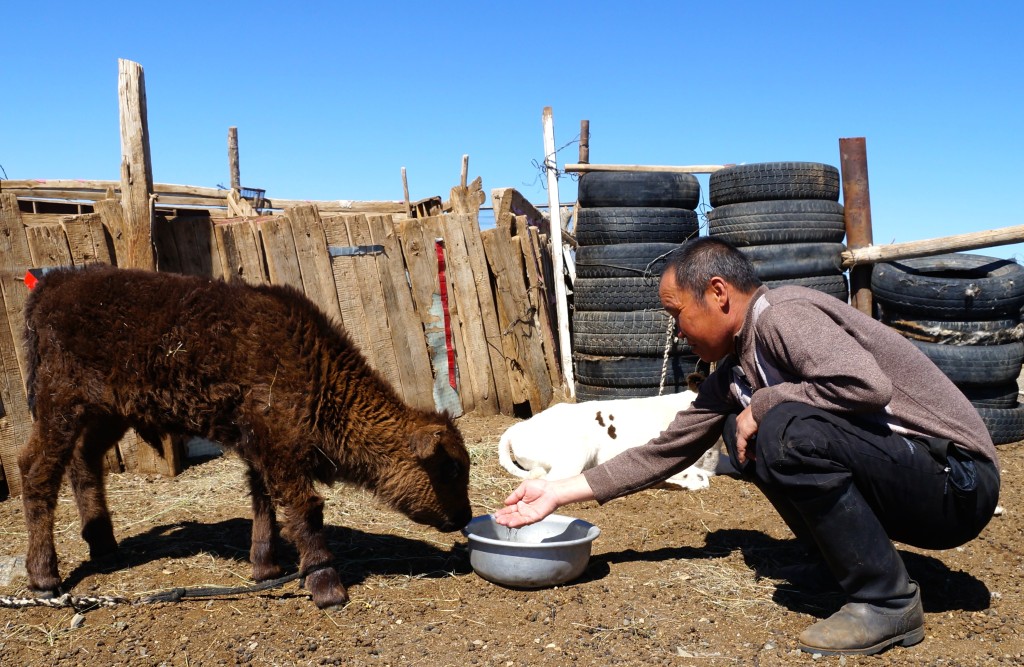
x,y
611,432
599,418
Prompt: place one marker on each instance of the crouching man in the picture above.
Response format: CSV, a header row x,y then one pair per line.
x,y
855,437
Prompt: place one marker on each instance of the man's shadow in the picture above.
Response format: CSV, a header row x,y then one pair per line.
x,y
357,554
942,589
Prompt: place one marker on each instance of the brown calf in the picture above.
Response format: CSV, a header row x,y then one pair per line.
x,y
260,370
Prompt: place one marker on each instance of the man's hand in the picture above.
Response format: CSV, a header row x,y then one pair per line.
x,y
536,498
746,429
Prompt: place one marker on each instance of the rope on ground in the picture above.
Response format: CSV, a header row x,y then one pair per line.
x,y
84,602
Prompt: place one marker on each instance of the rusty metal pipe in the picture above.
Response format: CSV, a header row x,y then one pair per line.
x,y
853,157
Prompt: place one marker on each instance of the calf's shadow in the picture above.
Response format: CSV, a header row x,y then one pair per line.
x,y
357,554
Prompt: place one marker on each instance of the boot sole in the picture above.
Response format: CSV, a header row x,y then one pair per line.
x,y
907,639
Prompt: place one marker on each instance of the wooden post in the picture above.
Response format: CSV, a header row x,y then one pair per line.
x,y
584,142
465,171
857,211
136,168
405,189
236,176
555,216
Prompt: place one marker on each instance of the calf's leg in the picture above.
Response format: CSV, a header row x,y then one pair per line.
x,y
263,551
304,525
42,463
85,473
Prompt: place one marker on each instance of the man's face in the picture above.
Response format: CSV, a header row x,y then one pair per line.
x,y
704,325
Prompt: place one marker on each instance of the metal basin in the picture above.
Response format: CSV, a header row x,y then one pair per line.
x,y
549,552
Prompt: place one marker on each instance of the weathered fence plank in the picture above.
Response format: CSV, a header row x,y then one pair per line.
x,y
87,239
405,328
314,260
279,249
48,245
350,301
239,251
488,313
467,313
417,239
15,259
374,305
521,340
537,291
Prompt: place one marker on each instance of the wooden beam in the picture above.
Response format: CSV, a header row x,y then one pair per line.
x,y
691,169
956,243
136,168
170,194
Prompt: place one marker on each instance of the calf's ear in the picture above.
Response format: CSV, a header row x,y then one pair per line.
x,y
425,439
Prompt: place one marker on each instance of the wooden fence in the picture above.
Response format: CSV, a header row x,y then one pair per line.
x,y
454,317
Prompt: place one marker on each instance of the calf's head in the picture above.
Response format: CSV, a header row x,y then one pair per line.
x,y
429,479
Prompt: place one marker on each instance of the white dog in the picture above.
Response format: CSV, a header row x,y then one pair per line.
x,y
568,438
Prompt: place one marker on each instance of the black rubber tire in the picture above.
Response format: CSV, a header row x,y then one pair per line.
x,y
623,260
585,392
955,332
621,371
976,364
795,260
774,180
641,333
1005,426
597,226
832,285
783,221
616,294
957,286
638,188
1003,395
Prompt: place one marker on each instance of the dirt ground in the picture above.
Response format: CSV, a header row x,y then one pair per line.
x,y
676,578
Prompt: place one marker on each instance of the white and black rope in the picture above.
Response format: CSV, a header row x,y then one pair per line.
x,y
85,602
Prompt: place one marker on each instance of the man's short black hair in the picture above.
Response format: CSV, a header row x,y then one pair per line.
x,y
699,260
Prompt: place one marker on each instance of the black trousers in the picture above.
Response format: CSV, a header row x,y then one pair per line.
x,y
925,492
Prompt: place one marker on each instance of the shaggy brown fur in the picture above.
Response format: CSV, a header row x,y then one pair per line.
x,y
258,369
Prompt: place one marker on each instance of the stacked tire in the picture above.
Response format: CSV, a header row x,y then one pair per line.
x,y
964,312
786,217
627,224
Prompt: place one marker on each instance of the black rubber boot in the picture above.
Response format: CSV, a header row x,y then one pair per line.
x,y
885,605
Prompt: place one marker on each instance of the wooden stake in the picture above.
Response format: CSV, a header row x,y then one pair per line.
x,y
405,189
584,141
465,171
236,177
136,168
555,216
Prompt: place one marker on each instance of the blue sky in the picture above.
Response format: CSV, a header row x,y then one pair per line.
x,y
331,100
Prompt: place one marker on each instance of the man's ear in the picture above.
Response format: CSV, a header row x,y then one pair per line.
x,y
718,291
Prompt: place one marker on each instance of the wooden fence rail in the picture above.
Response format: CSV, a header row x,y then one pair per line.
x,y
451,316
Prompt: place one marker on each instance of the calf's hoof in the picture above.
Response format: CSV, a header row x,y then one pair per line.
x,y
327,589
99,535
